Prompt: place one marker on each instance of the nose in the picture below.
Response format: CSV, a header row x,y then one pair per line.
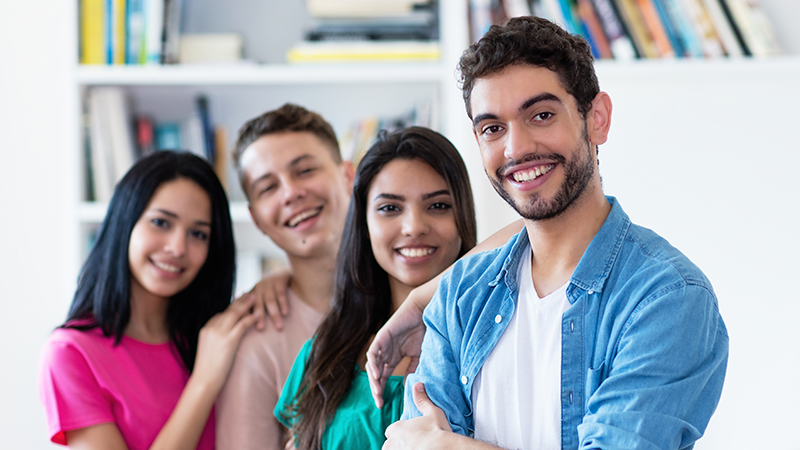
x,y
415,223
293,190
176,243
518,144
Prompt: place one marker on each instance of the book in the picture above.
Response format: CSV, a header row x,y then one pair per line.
x,y
480,18
221,155
686,31
153,30
144,132
621,46
170,48
639,33
92,32
755,27
735,28
100,143
673,34
360,8
361,51
119,134
723,27
134,38
593,29
202,110
704,28
654,23
117,47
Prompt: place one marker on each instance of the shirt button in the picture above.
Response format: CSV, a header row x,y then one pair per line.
x,y
464,379
498,318
591,292
572,326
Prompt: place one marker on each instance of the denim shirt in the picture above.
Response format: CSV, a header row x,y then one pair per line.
x,y
644,348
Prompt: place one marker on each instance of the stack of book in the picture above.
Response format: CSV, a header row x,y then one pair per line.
x,y
129,31
627,29
369,30
115,138
362,134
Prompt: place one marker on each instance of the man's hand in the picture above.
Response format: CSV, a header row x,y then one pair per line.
x,y
270,298
420,432
400,337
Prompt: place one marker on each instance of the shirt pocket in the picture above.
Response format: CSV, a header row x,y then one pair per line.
x,y
594,377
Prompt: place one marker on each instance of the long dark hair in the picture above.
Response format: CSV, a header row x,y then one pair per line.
x,y
362,298
104,284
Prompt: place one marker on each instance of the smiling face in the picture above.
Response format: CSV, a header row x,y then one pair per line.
x,y
169,243
298,194
412,226
537,150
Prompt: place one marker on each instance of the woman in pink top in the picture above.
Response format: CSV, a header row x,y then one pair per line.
x,y
151,333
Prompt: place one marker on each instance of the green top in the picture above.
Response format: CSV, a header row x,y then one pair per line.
x,y
357,423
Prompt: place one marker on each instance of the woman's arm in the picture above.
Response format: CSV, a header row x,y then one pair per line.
x,y
217,346
403,332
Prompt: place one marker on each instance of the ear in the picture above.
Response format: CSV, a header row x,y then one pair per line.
x,y
598,121
349,173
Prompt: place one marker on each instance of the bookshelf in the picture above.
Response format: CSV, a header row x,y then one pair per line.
x,y
345,92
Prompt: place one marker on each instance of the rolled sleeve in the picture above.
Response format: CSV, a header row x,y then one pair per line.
x,y
662,381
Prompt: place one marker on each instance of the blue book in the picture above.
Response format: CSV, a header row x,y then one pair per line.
x,y
168,136
670,28
134,18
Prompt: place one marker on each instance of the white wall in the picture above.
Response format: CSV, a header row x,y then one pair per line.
x,y
35,206
708,164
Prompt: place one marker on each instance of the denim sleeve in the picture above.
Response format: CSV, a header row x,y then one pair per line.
x,y
662,380
439,361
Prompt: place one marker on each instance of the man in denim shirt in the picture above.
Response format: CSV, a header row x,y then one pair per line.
x,y
585,330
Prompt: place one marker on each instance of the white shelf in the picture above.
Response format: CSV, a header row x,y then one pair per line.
x,y
263,74
95,212
699,66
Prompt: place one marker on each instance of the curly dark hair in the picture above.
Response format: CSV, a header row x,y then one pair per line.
x,y
536,42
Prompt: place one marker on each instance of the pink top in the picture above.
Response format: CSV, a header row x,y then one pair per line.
x,y
264,360
85,380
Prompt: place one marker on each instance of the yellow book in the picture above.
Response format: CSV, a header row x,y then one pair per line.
x,y
93,32
118,29
342,51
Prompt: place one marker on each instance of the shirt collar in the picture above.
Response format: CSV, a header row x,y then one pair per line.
x,y
594,267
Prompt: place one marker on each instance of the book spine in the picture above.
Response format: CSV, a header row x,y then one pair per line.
x,y
621,46
93,32
135,24
594,29
570,22
735,28
653,23
704,29
686,31
723,28
670,28
119,31
638,30
154,30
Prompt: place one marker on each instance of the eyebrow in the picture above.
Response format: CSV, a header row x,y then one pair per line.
x,y
292,163
175,216
525,105
403,198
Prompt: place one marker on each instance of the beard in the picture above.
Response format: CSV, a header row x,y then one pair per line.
x,y
578,172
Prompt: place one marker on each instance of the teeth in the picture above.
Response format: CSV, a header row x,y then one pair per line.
x,y
167,267
303,216
532,174
415,252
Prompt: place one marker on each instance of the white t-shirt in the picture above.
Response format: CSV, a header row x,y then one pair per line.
x,y
516,396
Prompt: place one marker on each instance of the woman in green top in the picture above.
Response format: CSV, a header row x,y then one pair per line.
x,y
411,216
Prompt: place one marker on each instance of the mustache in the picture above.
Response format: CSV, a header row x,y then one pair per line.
x,y
528,158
